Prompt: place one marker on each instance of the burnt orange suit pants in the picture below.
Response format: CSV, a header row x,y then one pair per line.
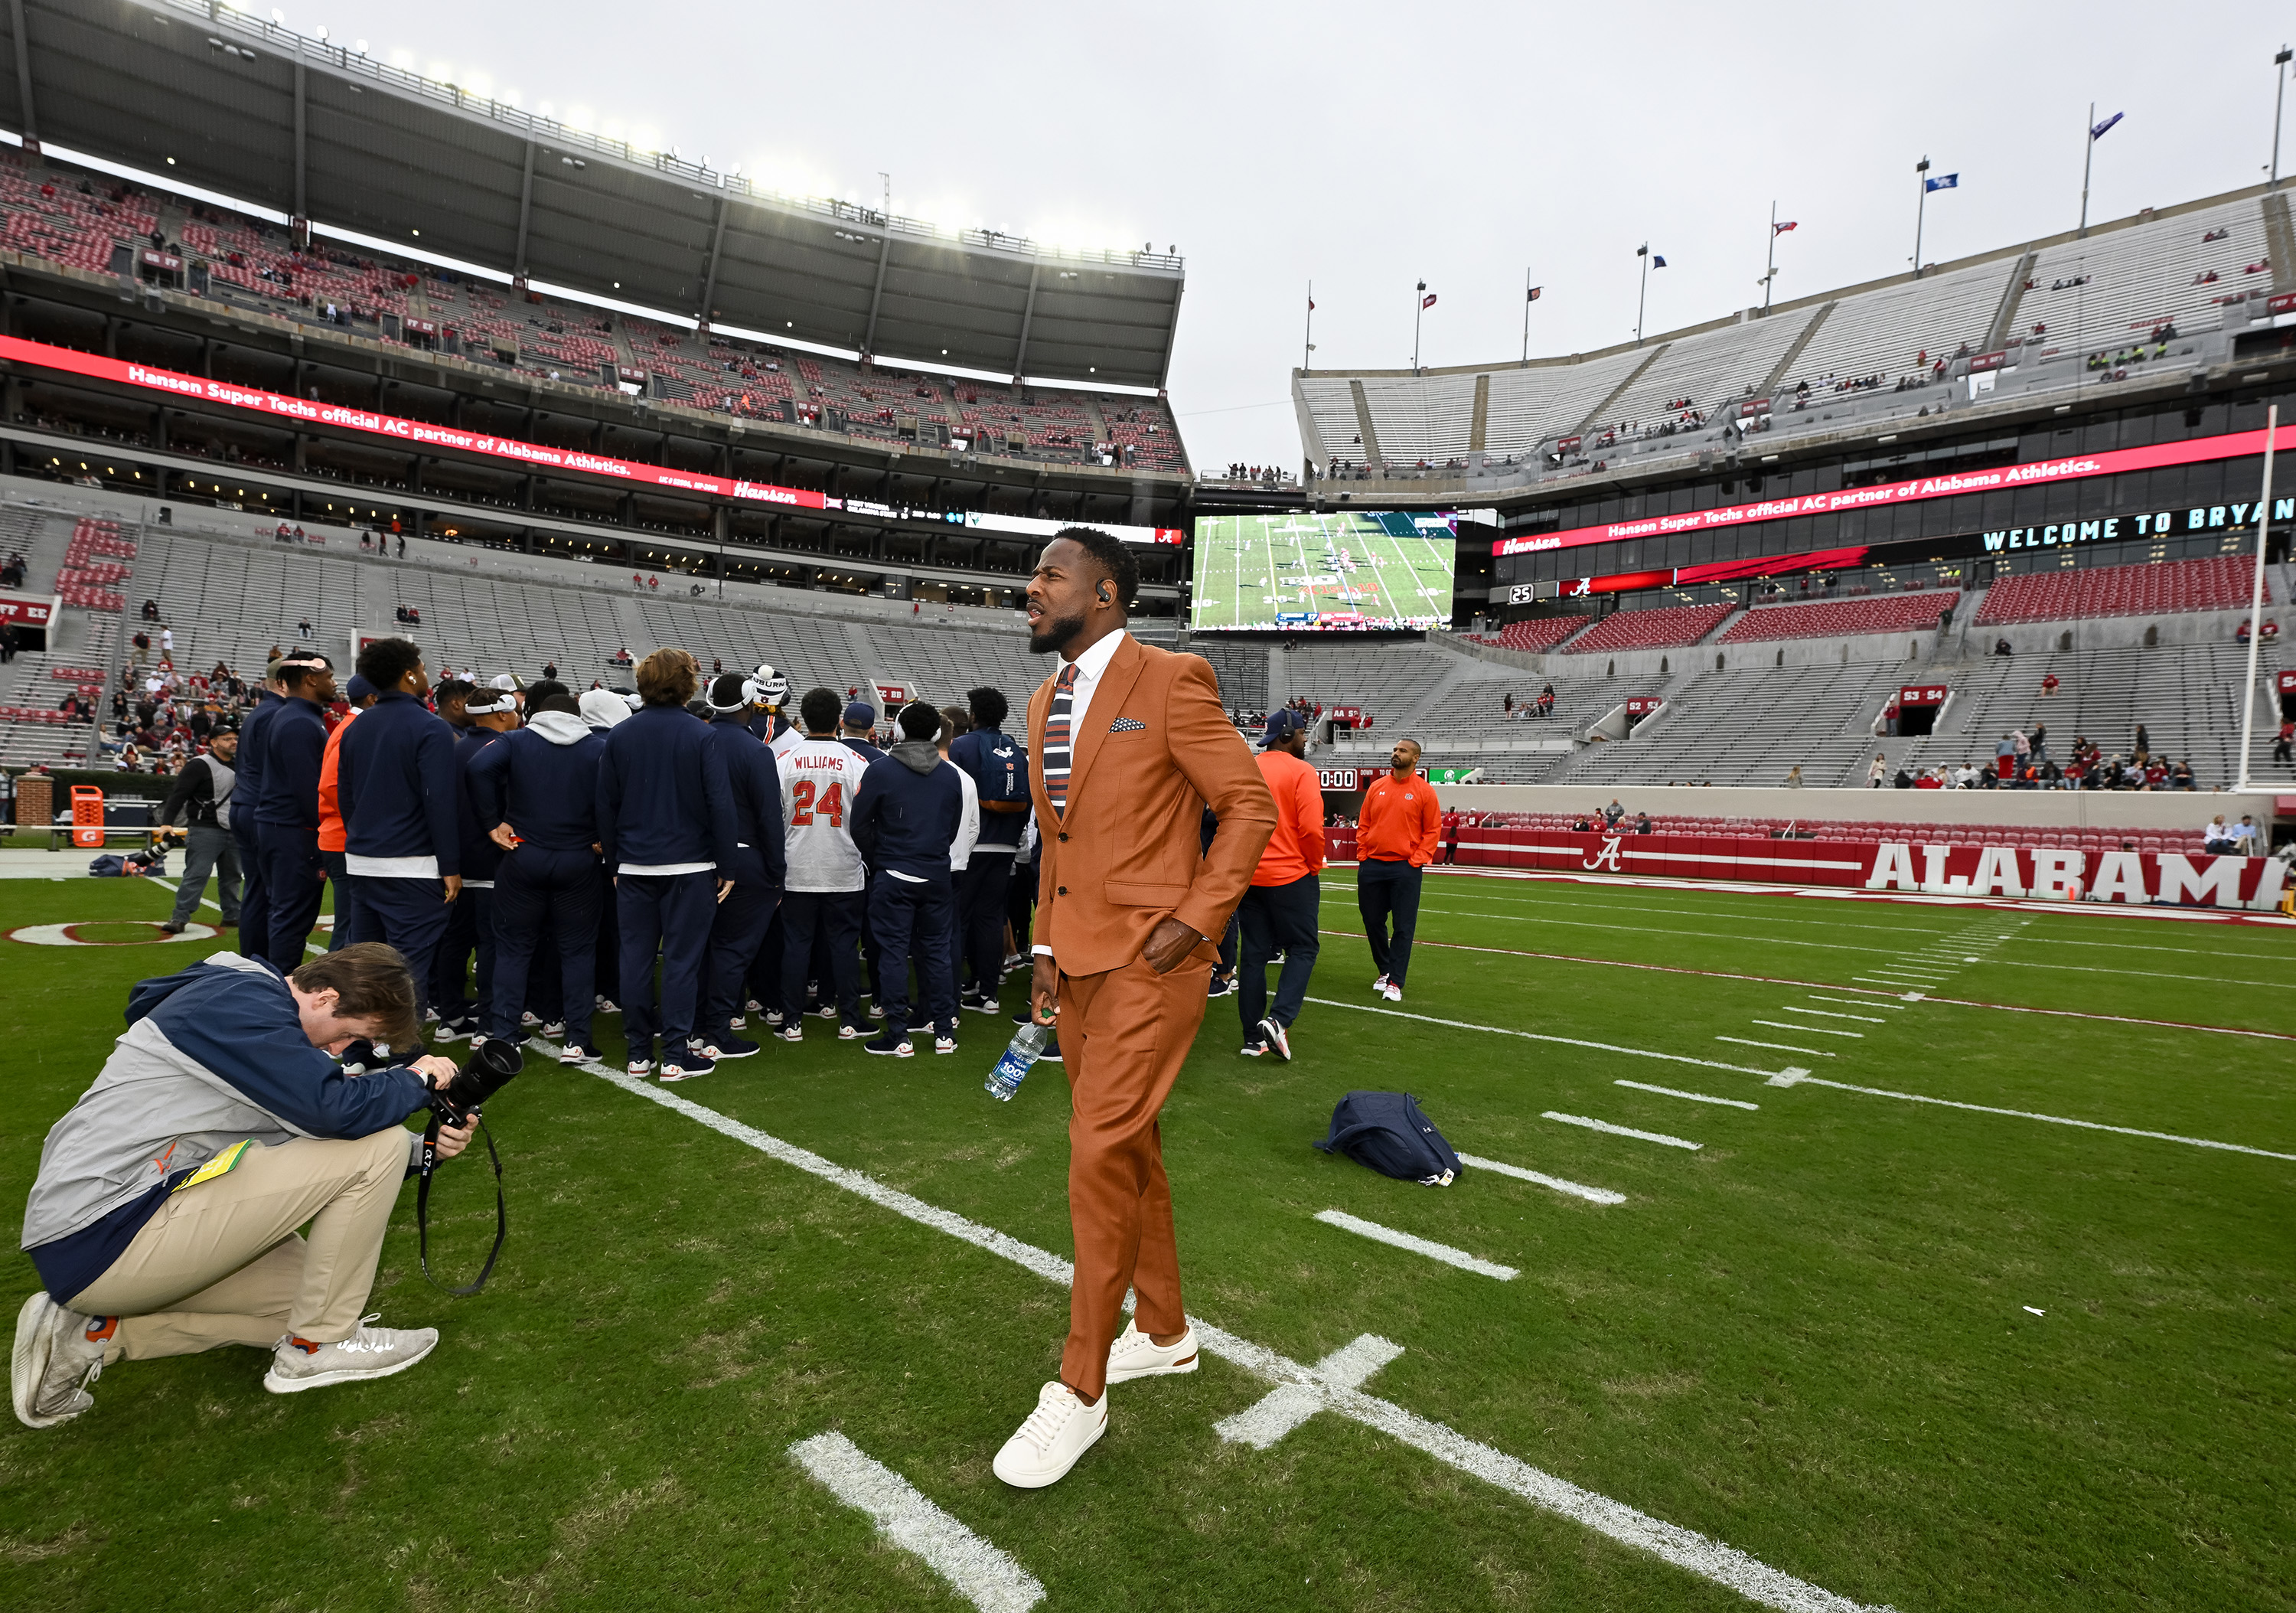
x,y
1124,1036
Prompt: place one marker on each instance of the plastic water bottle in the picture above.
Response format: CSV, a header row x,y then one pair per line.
x,y
1024,1049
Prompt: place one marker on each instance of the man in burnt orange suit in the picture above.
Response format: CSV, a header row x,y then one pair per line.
x,y
1128,745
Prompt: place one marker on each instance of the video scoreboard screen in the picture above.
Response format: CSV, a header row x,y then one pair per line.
x,y
1348,571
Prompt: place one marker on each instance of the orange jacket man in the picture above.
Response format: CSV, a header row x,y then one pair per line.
x,y
1280,910
1401,827
1126,745
351,918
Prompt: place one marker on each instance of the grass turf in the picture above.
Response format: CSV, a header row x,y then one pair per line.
x,y
1808,1339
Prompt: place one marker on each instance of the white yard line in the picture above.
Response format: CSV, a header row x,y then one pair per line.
x,y
1643,929
1568,1041
1283,1408
1576,1190
1822,1014
1858,1002
1809,1029
1642,1086
1607,1129
974,1569
1685,1548
1784,1046
1795,1078
1428,1247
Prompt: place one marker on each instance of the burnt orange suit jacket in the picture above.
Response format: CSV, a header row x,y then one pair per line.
x,y
1154,749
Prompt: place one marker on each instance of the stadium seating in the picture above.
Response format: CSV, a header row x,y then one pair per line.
x,y
1751,727
1843,618
1534,636
1657,628
2213,583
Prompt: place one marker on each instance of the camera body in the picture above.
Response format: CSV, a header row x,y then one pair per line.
x,y
488,1069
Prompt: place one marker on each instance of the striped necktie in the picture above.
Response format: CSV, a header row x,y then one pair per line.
x,y
1056,740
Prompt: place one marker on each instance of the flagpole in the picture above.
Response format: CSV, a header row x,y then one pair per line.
x,y
2088,155
1770,269
1418,307
2280,90
1307,340
1641,298
1526,317
2256,598
1920,209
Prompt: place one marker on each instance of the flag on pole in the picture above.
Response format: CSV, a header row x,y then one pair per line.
x,y
1780,229
1943,182
1311,305
1427,301
1535,291
1657,261
2098,132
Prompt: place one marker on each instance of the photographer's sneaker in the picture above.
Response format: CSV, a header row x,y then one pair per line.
x,y
690,1067
715,1047
58,1353
1045,1446
298,1364
893,1044
1135,1354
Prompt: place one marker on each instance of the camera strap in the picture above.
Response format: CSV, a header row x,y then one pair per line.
x,y
423,1212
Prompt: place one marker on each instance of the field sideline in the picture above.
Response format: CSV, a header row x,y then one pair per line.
x,y
1929,1256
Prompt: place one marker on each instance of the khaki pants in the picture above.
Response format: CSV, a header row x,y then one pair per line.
x,y
222,1264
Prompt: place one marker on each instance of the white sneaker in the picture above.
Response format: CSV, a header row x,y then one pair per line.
x,y
298,1364
54,1361
1394,993
1379,985
1134,1354
1045,1446
1272,1032
574,1053
944,1044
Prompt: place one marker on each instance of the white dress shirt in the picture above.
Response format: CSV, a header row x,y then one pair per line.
x,y
1089,667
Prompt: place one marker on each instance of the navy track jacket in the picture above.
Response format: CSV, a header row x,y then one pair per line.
x,y
395,782
662,798
546,789
753,777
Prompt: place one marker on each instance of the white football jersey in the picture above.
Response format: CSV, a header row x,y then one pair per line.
x,y
819,778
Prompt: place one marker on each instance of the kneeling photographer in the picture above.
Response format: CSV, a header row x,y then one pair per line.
x,y
163,1220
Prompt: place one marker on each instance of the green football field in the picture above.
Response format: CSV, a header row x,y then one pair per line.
x,y
1895,1333
1253,571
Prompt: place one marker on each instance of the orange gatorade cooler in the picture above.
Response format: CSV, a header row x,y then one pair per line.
x,y
87,816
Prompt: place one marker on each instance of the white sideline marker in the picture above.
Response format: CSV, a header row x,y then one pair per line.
x,y
1576,1190
1735,1103
1809,1030
1784,1046
1287,1406
1568,1041
1858,1002
1443,1252
1609,1130
1685,1548
1822,1014
1792,1078
975,1569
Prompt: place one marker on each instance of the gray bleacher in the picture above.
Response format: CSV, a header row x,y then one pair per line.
x,y
1241,669
1752,728
1884,333
2187,696
81,639
2137,278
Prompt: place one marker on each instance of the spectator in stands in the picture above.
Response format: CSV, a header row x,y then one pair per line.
x,y
1793,777
1877,772
1613,813
2048,686
2245,839
2001,647
666,821
2240,635
2284,749
2180,777
2144,746
1643,823
1889,720
2217,839
395,784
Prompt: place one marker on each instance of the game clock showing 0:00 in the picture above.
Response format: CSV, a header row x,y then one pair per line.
x,y
1301,571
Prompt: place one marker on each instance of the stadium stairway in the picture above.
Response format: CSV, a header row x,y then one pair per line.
x,y
1751,727
78,638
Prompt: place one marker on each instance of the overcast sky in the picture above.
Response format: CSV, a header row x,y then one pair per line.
x,y
1367,147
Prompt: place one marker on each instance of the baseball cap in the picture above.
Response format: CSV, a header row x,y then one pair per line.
x,y
1282,724
860,715
357,689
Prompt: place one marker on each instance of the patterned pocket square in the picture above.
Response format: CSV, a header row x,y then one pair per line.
x,y
1127,725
